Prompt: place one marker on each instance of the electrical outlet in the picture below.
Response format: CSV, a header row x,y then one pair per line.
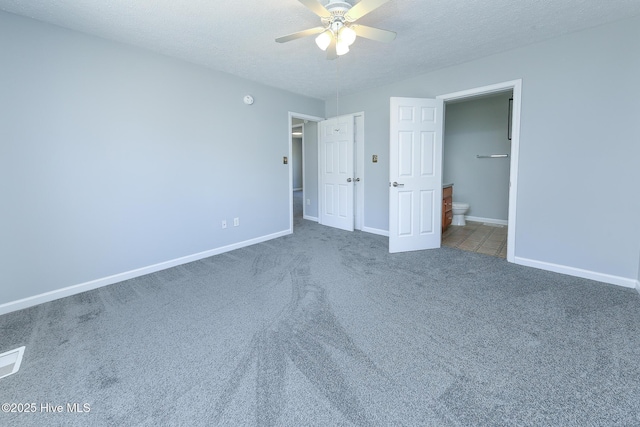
x,y
224,223
236,222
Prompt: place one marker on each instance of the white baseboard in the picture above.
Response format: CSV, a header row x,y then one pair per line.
x,y
376,231
116,278
310,218
638,286
487,220
578,272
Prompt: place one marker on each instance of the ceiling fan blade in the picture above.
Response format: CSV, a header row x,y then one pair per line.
x,y
331,50
362,8
374,33
300,34
316,7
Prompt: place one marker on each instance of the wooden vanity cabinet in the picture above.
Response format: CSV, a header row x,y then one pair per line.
x,y
447,206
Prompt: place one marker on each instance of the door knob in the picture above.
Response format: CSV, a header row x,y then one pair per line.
x,y
357,179
348,179
395,184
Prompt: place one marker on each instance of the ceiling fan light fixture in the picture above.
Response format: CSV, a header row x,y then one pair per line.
x,y
339,29
347,35
324,39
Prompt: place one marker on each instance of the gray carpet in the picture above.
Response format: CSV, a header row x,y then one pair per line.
x,y
325,327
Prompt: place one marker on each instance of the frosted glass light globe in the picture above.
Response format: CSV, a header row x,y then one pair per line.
x,y
341,48
324,40
347,35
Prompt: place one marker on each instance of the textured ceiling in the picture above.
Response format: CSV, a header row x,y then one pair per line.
x,y
238,36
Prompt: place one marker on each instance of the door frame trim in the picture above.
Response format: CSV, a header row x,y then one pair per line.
x,y
516,87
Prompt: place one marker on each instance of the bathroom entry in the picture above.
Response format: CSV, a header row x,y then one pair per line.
x,y
476,160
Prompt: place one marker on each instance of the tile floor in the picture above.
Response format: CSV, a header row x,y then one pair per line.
x,y
489,239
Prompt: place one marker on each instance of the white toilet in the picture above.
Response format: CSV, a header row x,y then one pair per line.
x,y
459,209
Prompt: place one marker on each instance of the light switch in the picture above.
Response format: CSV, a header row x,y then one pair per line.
x,y
285,161
375,158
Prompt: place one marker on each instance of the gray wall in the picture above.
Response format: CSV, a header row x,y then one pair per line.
x,y
296,162
311,169
478,127
113,158
579,144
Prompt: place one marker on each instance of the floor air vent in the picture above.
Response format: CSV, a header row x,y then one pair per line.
x,y
10,362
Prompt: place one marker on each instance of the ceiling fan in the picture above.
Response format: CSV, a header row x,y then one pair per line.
x,y
339,29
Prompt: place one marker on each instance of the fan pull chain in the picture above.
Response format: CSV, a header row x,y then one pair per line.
x,y
337,86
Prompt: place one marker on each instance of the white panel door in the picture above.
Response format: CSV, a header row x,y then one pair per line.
x,y
415,174
336,166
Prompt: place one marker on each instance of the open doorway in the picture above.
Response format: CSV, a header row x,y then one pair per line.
x,y
305,200
513,129
476,153
303,168
297,169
